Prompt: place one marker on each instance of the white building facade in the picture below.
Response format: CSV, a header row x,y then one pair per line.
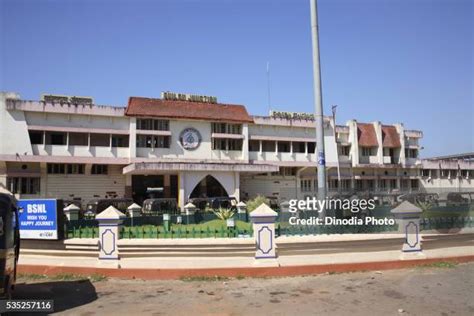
x,y
69,148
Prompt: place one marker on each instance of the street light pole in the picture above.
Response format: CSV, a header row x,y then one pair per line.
x,y
318,104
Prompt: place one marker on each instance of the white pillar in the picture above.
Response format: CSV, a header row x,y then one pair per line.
x,y
72,212
109,224
237,185
408,219
263,219
181,193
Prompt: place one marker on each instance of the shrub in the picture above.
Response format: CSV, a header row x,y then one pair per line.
x,y
256,202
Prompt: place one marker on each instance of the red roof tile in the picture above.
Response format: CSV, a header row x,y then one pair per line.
x,y
138,106
366,135
390,137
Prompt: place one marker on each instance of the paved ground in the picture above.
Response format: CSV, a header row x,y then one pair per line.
x,y
441,289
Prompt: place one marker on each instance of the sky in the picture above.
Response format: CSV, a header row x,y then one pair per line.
x,y
408,61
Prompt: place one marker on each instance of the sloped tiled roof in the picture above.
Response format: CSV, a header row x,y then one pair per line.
x,y
139,106
366,135
390,137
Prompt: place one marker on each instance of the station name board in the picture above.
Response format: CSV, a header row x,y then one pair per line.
x,y
292,115
188,97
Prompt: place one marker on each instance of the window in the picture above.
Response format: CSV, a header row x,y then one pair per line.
x,y
153,125
23,185
100,140
254,145
393,183
56,168
311,148
235,144
287,171
305,185
425,173
161,141
344,150
299,147
150,141
284,147
78,139
60,168
99,169
36,137
268,146
414,183
333,184
225,128
75,169
411,153
226,144
366,151
218,144
55,138
119,140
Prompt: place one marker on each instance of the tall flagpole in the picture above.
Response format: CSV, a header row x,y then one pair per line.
x,y
318,105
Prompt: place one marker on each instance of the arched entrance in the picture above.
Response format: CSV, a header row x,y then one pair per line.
x,y
208,187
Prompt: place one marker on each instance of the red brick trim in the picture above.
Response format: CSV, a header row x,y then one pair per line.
x,y
167,274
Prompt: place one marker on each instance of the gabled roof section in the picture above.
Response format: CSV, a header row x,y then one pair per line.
x,y
390,137
139,106
366,135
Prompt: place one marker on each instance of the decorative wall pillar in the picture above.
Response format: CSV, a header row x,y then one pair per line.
x,y
72,212
134,210
263,219
242,211
109,225
189,211
408,219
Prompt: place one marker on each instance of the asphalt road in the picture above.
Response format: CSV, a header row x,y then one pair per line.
x,y
419,291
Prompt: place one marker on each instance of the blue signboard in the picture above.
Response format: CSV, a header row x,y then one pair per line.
x,y
38,219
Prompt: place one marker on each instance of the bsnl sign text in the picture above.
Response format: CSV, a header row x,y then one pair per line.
x,y
38,219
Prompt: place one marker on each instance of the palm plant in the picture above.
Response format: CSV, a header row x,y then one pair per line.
x,y
224,214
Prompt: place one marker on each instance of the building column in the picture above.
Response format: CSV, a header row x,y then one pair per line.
x,y
43,179
132,138
237,186
276,148
181,191
128,186
166,186
3,175
245,142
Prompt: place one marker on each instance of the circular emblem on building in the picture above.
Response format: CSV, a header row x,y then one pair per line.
x,y
190,138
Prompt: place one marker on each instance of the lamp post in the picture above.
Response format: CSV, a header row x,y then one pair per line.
x,y
318,104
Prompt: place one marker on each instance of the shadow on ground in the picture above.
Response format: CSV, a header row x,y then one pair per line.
x,y
66,294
